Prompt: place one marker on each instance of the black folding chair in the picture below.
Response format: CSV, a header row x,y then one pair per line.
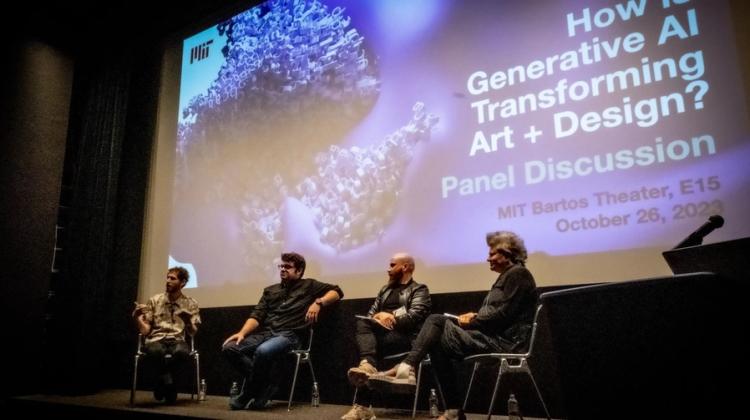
x,y
509,363
139,353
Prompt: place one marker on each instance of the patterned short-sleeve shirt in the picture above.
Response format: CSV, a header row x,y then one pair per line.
x,y
163,316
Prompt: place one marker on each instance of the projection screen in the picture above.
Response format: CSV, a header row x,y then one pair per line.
x,y
602,132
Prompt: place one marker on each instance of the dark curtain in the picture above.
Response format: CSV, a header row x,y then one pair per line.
x,y
106,165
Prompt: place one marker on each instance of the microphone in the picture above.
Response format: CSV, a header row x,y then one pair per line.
x,y
696,238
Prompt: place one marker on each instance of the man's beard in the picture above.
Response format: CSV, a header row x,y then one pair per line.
x,y
395,279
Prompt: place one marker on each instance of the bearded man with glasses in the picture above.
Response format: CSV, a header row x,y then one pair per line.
x,y
273,329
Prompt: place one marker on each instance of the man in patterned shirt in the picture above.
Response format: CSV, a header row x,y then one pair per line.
x,y
164,321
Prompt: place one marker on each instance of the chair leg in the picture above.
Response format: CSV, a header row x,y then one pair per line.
x,y
439,388
135,380
294,382
539,394
494,393
312,371
471,382
416,391
197,376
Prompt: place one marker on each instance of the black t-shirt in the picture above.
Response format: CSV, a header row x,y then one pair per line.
x,y
391,303
283,306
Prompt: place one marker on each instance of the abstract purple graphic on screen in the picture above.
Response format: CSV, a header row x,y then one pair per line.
x,y
348,130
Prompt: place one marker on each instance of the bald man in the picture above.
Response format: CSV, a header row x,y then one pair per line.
x,y
392,323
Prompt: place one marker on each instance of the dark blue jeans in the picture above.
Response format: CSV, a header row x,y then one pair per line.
x,y
256,358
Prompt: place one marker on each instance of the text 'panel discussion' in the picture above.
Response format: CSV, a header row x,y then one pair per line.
x,y
361,209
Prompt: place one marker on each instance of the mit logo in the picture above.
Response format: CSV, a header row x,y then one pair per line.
x,y
200,52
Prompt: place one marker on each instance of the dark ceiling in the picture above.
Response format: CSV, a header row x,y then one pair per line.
x,y
74,24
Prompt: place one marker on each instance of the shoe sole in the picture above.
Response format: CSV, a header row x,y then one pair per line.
x,y
355,417
260,405
358,378
239,405
385,384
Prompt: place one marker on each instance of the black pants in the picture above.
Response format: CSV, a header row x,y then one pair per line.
x,y
434,338
374,342
166,357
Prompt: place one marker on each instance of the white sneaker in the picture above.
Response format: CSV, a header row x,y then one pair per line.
x,y
402,380
359,412
405,374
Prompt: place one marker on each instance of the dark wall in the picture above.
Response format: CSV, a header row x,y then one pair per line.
x,y
35,95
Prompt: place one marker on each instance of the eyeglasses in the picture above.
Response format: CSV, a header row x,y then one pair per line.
x,y
285,266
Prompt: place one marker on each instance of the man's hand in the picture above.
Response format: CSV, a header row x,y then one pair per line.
x,y
139,315
185,316
386,319
237,337
465,319
312,313
139,309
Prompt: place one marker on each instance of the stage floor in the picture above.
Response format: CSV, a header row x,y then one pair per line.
x,y
115,404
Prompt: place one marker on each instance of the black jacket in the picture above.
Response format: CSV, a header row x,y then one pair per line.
x,y
502,324
415,297
508,309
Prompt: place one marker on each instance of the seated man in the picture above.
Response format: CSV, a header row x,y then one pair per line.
x,y
163,321
501,325
271,331
394,318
